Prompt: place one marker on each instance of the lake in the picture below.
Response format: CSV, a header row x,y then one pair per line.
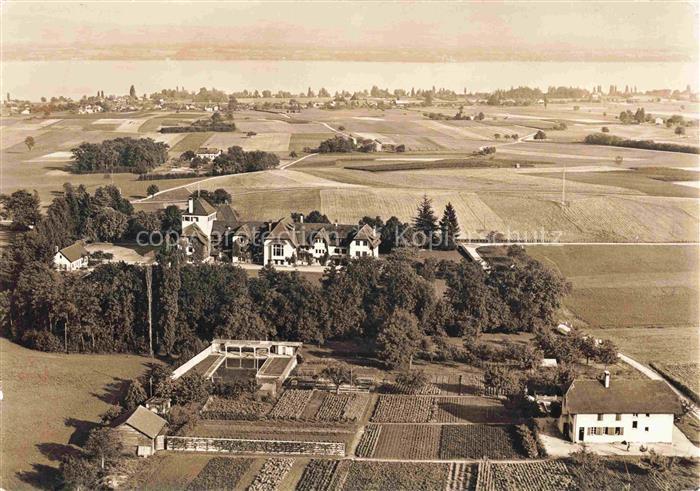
x,y
34,79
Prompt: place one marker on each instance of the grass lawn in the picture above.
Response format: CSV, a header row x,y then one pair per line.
x,y
50,403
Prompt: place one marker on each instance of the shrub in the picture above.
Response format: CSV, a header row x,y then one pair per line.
x,y
42,341
605,129
540,135
527,441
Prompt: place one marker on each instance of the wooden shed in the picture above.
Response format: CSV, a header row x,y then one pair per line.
x,y
141,432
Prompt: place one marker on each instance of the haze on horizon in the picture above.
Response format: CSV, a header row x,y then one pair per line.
x,y
569,31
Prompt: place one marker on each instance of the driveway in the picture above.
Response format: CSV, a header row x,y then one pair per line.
x,y
557,446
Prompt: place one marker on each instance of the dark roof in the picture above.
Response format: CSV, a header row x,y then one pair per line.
x,y
206,150
304,234
143,421
227,214
201,207
193,231
74,251
623,396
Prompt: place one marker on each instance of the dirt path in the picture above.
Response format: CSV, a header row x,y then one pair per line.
x,y
654,375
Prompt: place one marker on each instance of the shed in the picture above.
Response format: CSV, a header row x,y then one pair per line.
x,y
140,432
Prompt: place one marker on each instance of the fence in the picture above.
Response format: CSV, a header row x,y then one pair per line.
x,y
229,445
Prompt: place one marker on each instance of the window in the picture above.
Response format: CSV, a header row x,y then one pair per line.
x,y
634,425
277,250
646,428
635,415
600,417
619,430
618,417
647,415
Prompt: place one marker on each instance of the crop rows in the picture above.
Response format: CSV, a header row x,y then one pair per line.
x,y
291,404
342,407
365,475
220,408
198,444
461,477
220,473
478,441
551,475
271,474
319,475
402,409
408,442
368,442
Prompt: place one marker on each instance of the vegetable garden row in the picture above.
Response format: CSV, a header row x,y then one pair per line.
x,y
422,409
431,441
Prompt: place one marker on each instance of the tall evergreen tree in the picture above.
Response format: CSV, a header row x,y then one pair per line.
x,y
449,227
132,91
425,220
169,291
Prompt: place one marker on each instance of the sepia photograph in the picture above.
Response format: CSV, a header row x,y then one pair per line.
x,y
349,245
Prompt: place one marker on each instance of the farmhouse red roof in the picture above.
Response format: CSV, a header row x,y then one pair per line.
x,y
623,396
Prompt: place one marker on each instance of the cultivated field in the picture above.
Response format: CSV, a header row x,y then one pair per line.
x,y
50,402
643,297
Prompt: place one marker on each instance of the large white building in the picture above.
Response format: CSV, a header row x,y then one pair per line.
x,y
71,258
218,232
607,411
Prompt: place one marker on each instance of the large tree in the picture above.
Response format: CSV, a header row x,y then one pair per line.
x,y
399,339
29,142
449,227
22,207
425,220
104,445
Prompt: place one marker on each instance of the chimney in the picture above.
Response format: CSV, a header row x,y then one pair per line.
x,y
301,218
606,379
55,249
190,205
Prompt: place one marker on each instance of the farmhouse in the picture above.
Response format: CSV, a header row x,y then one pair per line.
x,y
203,224
140,431
208,153
606,411
71,258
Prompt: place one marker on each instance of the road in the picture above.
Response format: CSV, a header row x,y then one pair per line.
x,y
654,375
281,167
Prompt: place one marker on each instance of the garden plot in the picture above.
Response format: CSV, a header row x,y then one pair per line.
x,y
470,410
408,441
291,404
368,441
220,473
320,475
382,476
342,407
551,475
461,477
271,474
402,409
479,441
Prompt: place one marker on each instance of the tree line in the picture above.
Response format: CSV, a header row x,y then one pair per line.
x,y
119,155
616,141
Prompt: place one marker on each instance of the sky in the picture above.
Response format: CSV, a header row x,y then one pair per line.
x,y
522,27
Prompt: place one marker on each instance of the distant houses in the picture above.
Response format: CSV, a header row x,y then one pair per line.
x,y
71,258
218,233
606,411
208,153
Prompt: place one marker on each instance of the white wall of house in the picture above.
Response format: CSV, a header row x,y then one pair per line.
x,y
205,223
64,264
641,427
277,251
361,248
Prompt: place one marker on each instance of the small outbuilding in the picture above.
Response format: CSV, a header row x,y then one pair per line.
x,y
141,432
71,258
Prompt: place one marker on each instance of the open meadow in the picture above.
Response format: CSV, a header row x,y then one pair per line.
x,y
50,402
643,297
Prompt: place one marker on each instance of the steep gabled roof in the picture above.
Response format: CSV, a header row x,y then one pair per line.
x,y
193,231
143,421
227,214
74,251
201,207
623,396
367,233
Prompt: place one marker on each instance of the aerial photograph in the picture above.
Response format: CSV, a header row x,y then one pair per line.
x,y
349,245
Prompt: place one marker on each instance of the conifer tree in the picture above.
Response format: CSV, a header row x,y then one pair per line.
x,y
449,227
425,220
